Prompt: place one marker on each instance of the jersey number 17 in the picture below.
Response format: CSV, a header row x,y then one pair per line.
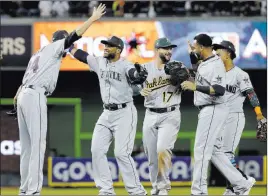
x,y
167,96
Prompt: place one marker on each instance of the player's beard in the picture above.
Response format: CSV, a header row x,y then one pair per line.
x,y
163,58
110,56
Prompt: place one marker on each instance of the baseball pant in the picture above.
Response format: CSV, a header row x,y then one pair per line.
x,y
32,120
119,125
160,132
208,146
233,130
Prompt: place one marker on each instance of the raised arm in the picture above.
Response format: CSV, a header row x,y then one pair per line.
x,y
76,34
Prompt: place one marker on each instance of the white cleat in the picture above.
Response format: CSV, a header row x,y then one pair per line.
x,y
252,182
154,191
163,192
228,192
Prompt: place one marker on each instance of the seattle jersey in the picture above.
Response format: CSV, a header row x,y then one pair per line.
x,y
113,79
43,67
237,81
210,72
163,94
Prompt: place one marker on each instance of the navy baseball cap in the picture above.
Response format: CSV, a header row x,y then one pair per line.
x,y
114,41
164,43
58,35
229,46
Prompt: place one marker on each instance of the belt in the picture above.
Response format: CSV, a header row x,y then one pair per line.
x,y
33,87
162,110
113,106
200,107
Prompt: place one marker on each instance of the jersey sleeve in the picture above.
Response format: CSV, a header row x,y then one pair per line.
x,y
244,81
58,47
92,61
218,75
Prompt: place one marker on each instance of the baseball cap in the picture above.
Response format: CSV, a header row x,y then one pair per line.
x,y
114,41
203,40
227,46
59,35
164,43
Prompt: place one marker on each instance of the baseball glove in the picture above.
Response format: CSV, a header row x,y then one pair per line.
x,y
262,130
143,73
13,112
177,71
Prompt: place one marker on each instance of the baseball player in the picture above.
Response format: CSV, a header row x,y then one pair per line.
x,y
38,82
119,118
209,90
162,118
238,87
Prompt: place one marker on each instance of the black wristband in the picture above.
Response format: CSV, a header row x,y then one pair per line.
x,y
81,56
194,58
203,89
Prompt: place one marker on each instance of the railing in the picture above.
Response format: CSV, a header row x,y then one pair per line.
x,y
82,135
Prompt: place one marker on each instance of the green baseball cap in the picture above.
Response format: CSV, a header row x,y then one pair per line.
x,y
164,43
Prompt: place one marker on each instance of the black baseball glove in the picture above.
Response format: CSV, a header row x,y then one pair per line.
x,y
142,74
13,112
262,130
178,72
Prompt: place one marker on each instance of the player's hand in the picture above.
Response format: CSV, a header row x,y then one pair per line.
x,y
145,92
190,47
98,12
187,85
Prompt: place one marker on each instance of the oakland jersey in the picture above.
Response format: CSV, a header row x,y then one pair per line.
x,y
210,72
43,68
163,94
113,79
237,81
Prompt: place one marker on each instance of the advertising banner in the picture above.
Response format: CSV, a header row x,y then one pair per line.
x,y
145,31
77,172
249,38
16,45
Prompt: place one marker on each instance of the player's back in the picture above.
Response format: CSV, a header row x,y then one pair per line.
x,y
237,81
43,67
163,94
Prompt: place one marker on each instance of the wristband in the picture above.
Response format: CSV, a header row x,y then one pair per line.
x,y
203,89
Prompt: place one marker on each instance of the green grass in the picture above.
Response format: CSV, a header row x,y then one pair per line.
x,y
257,190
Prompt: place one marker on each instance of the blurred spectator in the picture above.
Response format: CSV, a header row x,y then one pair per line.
x,y
60,8
151,12
263,8
118,7
45,8
124,8
91,6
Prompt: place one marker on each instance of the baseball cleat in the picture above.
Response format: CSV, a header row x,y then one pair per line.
x,y
252,181
163,192
154,191
229,192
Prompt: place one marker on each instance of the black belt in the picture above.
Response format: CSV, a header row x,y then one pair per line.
x,y
162,110
200,107
32,87
113,106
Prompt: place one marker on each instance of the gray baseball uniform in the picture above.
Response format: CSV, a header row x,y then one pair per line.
x,y
161,123
237,82
39,80
119,124
208,140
